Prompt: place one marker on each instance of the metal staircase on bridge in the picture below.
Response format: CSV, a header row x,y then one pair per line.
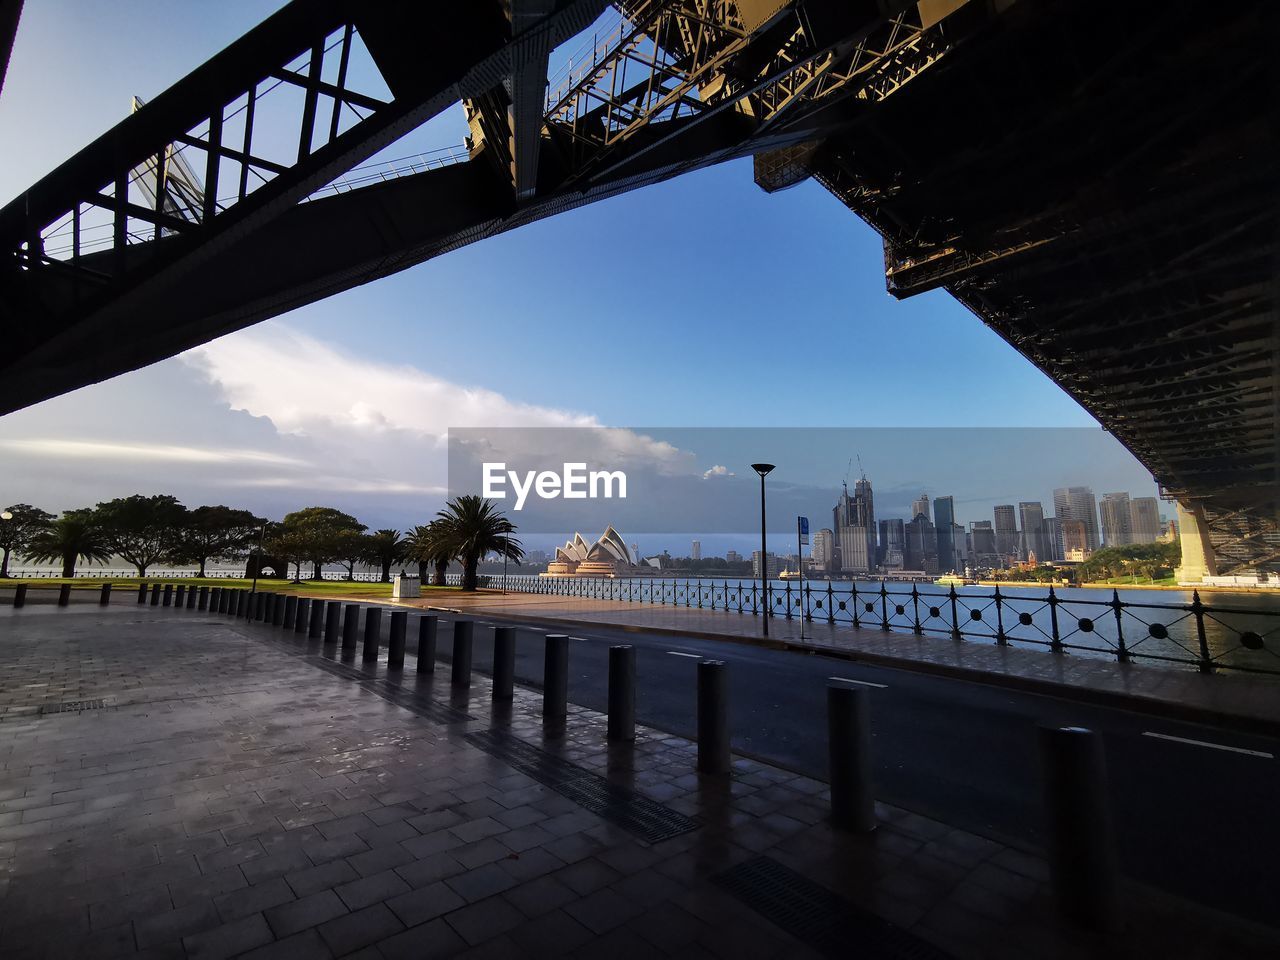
x,y
1092,179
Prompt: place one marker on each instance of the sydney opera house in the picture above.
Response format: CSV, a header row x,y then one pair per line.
x,y
607,557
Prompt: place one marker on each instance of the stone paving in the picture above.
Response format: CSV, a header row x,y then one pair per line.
x,y
219,788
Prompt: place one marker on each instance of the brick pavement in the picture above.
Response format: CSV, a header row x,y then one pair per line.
x,y
242,791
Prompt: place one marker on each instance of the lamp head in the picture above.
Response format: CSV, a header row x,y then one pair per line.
x,y
6,515
764,469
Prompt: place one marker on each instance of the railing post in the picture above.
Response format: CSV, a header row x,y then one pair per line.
x,y
915,610
350,626
463,642
884,608
1000,637
713,717
372,629
427,644
1081,842
104,596
555,678
1122,653
788,586
622,692
853,804
955,617
831,607
504,663
1197,610
300,614
396,639
1055,638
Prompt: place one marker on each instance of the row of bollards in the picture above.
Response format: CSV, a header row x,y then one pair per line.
x,y
1081,843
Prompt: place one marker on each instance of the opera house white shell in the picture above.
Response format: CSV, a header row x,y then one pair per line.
x,y
607,557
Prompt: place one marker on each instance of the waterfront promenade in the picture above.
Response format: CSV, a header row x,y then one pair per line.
x,y
177,782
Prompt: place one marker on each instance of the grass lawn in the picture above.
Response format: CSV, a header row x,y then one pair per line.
x,y
305,588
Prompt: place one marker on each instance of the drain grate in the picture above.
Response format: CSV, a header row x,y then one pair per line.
x,y
633,812
814,915
72,706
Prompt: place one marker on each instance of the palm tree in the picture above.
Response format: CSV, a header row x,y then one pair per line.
x,y
74,536
474,527
383,548
428,545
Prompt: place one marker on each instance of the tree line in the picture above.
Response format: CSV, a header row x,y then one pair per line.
x,y
146,530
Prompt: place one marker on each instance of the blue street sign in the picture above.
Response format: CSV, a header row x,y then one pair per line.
x,y
802,524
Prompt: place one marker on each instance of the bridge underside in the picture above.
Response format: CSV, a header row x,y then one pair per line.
x,y
1092,179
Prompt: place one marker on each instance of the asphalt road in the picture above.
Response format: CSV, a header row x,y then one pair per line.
x,y
1195,818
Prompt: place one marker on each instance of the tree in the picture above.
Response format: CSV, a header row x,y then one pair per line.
x,y
352,548
216,533
75,535
428,545
143,530
25,523
473,527
289,546
382,549
324,534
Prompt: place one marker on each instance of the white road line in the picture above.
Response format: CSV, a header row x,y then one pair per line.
x,y
677,653
579,639
1206,743
865,683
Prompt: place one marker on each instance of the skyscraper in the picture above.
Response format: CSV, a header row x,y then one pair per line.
x,y
1075,540
1052,539
984,543
1144,519
697,550
944,518
921,506
893,539
855,529
1117,530
921,548
1078,503
1031,519
1006,531
823,549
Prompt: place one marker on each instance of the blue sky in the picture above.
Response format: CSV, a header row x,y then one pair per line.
x,y
701,302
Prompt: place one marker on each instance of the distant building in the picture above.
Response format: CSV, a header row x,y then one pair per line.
x,y
607,557
944,520
855,531
697,550
921,506
1117,526
1006,530
1075,541
732,556
1144,519
823,550
1031,519
983,545
774,565
921,548
1052,540
893,540
1078,503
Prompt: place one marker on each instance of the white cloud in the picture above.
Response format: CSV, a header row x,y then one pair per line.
x,y
719,470
135,451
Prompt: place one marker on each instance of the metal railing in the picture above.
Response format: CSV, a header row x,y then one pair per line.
x,y
1205,636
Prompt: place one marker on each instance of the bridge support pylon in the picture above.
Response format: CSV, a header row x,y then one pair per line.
x,y
1199,559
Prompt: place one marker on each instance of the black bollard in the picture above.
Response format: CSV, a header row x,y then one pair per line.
x,y
20,595
315,630
555,677
332,622
1081,839
622,692
504,663
235,607
300,615
290,611
168,595
395,646
372,628
155,595
277,609
204,599
180,596
351,626
215,599
224,599
259,606
142,592
853,802
463,637
713,717
104,596
427,644
191,597
64,595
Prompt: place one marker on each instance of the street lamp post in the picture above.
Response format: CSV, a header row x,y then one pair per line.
x,y
764,469
257,567
7,517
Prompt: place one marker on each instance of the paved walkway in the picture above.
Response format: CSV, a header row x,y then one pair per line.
x,y
1230,699
175,783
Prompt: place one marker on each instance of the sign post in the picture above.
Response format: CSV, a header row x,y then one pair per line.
x,y
802,537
